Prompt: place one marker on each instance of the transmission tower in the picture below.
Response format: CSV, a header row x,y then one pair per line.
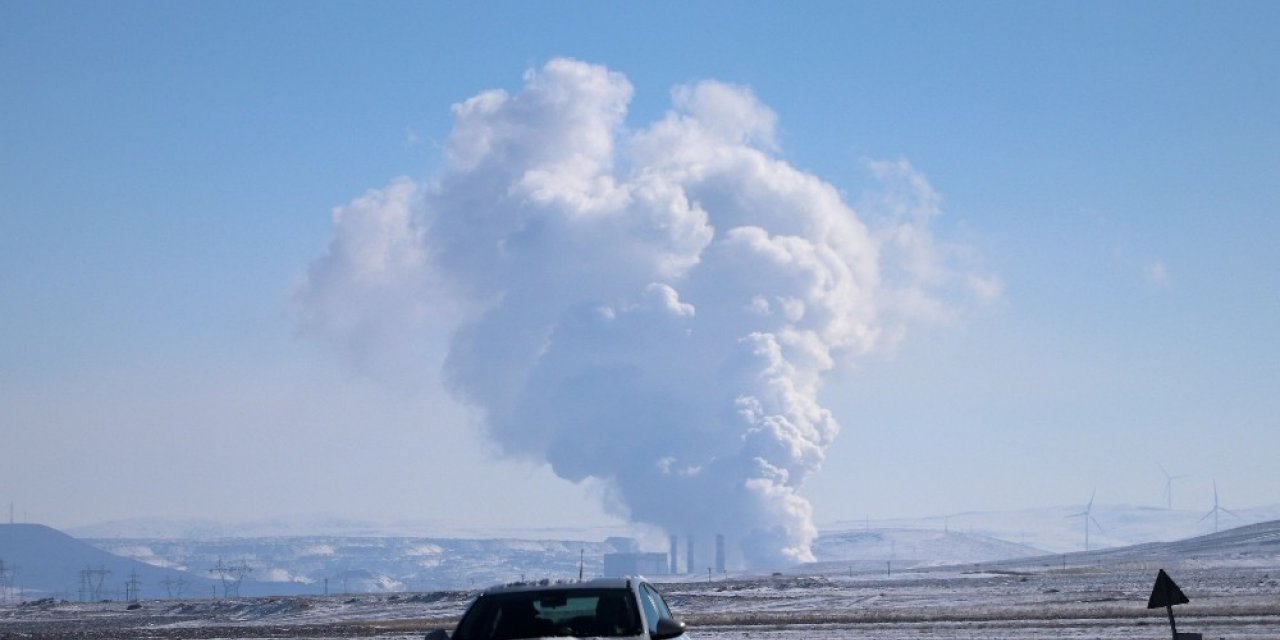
x,y
131,588
231,576
5,572
174,586
91,583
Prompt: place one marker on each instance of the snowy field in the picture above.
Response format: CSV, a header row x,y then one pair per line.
x,y
1237,601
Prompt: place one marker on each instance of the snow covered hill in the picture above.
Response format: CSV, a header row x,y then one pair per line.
x,y
41,562
1251,546
337,564
1061,530
860,550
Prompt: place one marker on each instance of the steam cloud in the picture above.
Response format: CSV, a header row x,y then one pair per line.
x,y
654,309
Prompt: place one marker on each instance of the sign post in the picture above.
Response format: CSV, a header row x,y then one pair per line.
x,y
1166,594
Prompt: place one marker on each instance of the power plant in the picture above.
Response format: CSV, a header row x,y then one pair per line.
x,y
617,565
647,563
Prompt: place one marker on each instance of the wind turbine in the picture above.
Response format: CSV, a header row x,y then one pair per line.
x,y
1087,514
1216,508
1168,484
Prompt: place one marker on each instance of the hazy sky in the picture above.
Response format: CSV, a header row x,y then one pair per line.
x,y
168,173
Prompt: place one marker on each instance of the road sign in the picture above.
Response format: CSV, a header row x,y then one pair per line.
x,y
1165,594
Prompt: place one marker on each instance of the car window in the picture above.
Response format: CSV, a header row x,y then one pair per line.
x,y
654,607
658,602
533,614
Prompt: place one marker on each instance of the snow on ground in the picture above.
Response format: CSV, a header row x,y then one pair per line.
x,y
1232,579
1107,602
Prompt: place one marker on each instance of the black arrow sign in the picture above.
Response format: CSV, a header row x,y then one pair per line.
x,y
1166,594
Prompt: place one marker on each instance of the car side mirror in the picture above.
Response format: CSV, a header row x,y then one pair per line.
x,y
668,628
438,634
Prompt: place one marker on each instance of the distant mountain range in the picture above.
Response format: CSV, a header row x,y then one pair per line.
x,y
334,555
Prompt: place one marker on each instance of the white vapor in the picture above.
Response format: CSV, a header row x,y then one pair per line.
x,y
654,309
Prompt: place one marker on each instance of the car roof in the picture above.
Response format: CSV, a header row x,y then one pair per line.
x,y
546,585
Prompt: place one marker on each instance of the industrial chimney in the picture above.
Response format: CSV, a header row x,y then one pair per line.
x,y
690,565
719,553
675,559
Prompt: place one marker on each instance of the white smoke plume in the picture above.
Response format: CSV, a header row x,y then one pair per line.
x,y
653,308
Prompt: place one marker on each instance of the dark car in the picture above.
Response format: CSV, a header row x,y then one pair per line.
x,y
607,608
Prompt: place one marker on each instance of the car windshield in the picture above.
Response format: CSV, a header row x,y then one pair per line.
x,y
551,613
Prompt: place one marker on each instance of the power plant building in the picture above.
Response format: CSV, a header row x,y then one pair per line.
x,y
617,565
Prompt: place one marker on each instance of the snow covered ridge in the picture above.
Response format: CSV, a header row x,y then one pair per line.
x,y
1057,529
329,564
52,564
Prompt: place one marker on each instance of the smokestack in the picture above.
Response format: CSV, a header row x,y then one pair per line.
x,y
719,553
690,564
675,558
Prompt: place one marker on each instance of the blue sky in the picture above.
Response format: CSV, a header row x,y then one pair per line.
x,y
167,173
